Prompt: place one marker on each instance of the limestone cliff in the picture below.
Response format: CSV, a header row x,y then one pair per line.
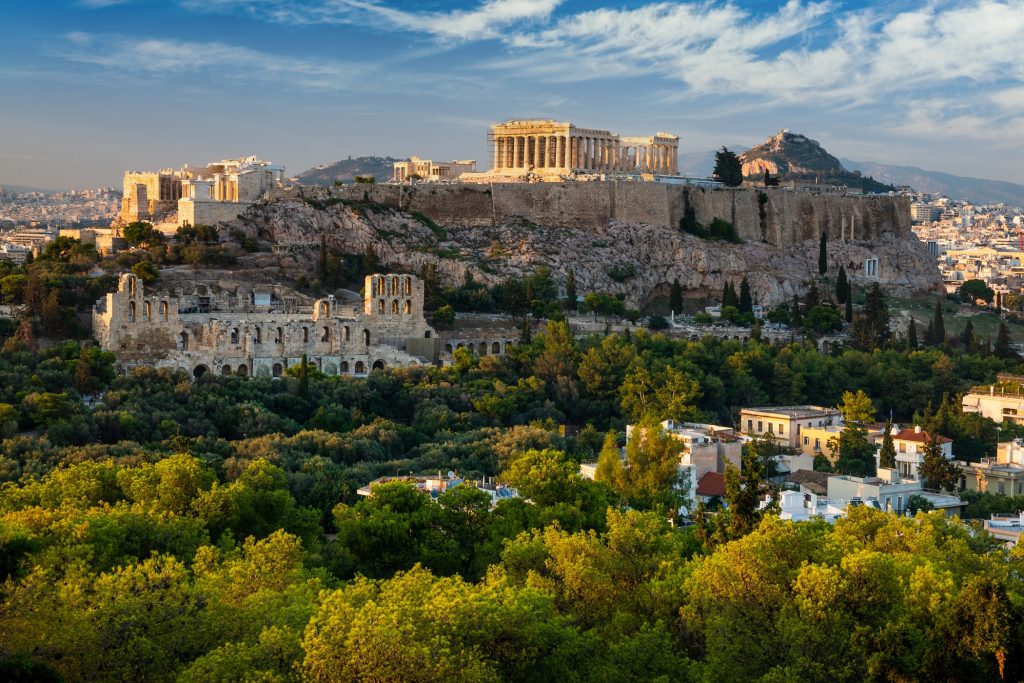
x,y
644,257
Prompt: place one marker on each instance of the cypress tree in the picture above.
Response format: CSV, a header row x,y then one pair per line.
x,y
849,310
812,298
304,377
570,291
729,297
526,334
842,285
887,454
967,336
321,264
675,297
823,254
938,326
912,336
746,303
795,319
1002,348
987,348
929,335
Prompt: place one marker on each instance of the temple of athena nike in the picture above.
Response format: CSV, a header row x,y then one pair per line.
x,y
555,150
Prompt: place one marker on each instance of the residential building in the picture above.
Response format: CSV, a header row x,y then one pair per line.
x,y
434,486
1003,474
815,440
889,492
1002,401
1006,527
785,424
801,507
910,446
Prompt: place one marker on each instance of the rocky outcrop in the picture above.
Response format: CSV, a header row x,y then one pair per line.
x,y
637,259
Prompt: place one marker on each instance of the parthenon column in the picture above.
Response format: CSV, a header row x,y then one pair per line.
x,y
536,151
586,153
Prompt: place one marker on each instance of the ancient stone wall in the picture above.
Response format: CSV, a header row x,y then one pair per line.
x,y
230,330
776,216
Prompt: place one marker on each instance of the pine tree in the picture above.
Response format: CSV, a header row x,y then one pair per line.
x,y
841,286
823,254
83,372
938,326
570,291
887,454
1002,349
746,303
912,335
675,297
728,168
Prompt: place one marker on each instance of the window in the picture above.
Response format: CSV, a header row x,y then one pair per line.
x,y
899,503
1002,488
771,428
903,447
806,440
305,335
750,425
817,444
782,429
760,426
234,336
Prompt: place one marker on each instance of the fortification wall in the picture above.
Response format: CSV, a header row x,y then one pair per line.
x,y
776,216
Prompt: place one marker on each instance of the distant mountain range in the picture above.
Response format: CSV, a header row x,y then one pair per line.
x,y
21,189
346,170
977,190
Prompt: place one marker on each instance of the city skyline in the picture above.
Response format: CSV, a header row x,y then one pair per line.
x,y
98,86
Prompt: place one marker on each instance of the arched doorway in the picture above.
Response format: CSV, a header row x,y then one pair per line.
x,y
200,371
360,367
183,341
378,365
243,370
344,367
496,348
277,369
226,370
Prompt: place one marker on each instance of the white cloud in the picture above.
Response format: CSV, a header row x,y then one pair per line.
x,y
218,61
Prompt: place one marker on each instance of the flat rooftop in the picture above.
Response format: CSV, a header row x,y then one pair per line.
x,y
792,411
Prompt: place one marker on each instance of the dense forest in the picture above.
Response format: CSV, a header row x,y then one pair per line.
x,y
156,528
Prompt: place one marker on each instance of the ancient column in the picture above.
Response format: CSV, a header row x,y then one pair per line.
x,y
536,151
586,153
497,154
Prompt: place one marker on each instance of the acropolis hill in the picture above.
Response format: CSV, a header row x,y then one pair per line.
x,y
617,236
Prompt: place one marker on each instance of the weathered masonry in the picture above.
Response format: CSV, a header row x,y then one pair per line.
x,y
553,148
251,331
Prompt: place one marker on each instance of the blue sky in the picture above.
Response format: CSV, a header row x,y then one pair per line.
x,y
91,87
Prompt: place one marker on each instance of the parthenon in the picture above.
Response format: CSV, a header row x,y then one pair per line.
x,y
552,148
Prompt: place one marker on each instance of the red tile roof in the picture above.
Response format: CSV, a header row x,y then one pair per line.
x,y
921,436
711,484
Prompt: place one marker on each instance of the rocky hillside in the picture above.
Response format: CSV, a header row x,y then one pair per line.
x,y
792,156
346,170
639,260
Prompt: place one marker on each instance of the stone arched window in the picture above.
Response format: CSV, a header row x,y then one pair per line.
x,y
408,285
164,311
344,367
280,336
482,348
131,286
394,307
348,333
305,335
277,370
378,365
147,311
234,335
326,335
366,337
495,348
408,307
394,285
380,306
259,335
426,335
360,367
243,371
380,285
183,341
131,311
324,309
226,370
